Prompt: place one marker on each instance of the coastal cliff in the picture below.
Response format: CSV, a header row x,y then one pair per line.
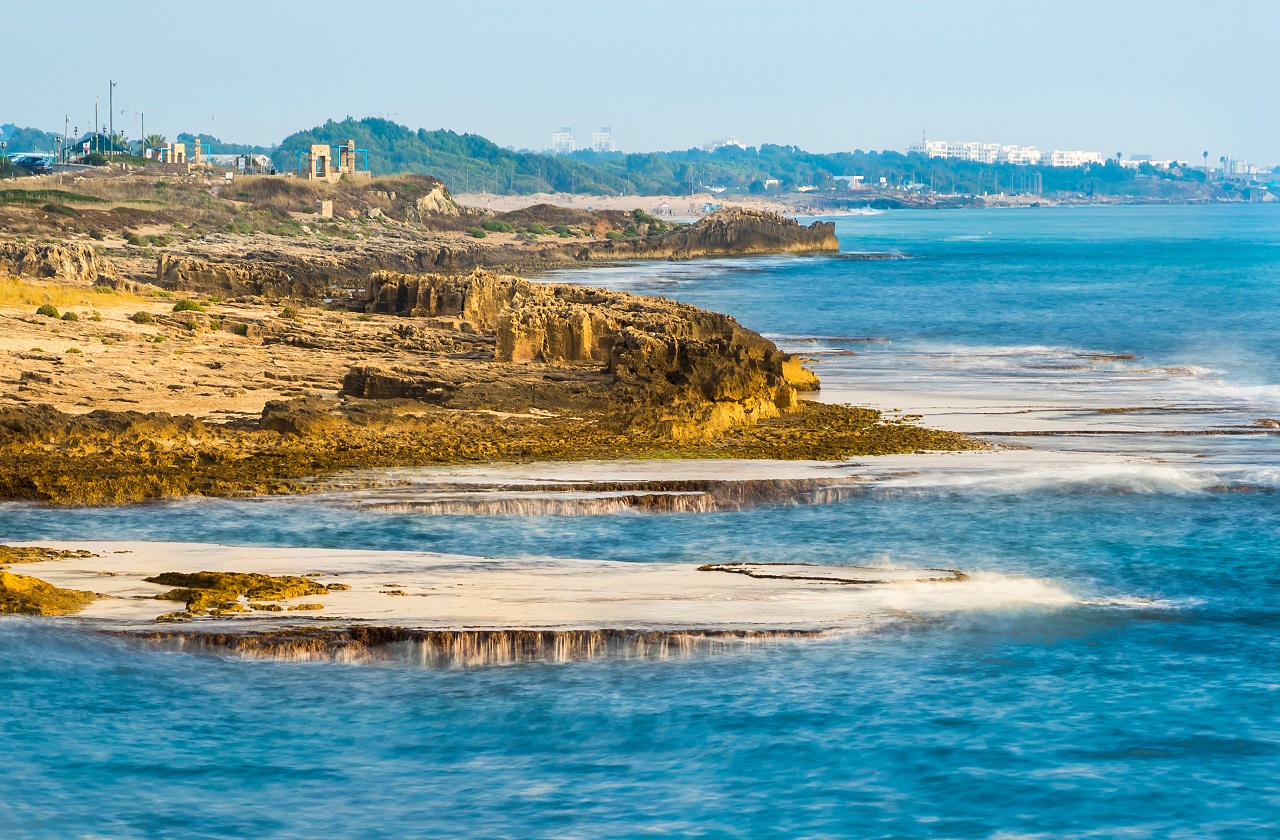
x,y
678,370
308,273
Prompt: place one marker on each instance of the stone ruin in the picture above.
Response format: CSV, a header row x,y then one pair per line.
x,y
318,164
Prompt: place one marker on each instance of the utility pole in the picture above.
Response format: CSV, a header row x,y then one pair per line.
x,y
111,119
144,135
95,124
66,124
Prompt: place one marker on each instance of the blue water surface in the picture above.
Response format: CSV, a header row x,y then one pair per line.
x,y
1149,707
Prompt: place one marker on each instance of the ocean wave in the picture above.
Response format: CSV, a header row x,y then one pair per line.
x,y
1098,478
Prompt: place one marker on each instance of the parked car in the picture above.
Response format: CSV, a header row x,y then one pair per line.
x,y
35,164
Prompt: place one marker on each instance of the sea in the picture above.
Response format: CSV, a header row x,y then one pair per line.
x,y
1126,363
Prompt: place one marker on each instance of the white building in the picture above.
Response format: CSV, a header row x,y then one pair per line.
x,y
976,152
720,144
602,140
1073,158
562,142
1021,155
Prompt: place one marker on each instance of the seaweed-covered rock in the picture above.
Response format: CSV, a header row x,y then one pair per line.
x,y
26,595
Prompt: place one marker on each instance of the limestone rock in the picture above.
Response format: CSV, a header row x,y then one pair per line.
x,y
436,203
677,369
67,261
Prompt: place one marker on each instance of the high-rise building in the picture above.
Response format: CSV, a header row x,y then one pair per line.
x,y
602,140
562,141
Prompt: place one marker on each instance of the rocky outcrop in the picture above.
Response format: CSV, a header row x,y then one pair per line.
x,y
69,261
681,371
224,279
435,204
729,232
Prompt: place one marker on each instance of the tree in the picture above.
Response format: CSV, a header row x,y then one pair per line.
x,y
154,141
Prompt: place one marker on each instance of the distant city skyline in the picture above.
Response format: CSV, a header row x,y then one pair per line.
x,y
1141,77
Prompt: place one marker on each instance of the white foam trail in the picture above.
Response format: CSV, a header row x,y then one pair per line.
x,y
983,591
1115,477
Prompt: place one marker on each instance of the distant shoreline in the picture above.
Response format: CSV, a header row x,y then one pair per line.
x,y
803,204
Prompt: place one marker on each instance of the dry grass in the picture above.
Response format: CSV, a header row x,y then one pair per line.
x,y
18,292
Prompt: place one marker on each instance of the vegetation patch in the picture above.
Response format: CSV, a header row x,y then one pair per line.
x,y
47,197
187,306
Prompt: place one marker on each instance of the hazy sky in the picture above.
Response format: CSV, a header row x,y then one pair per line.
x,y
1168,78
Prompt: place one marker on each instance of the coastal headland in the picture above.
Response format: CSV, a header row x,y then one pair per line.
x,y
286,346
167,338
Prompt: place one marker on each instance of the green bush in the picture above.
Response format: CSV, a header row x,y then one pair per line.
x,y
613,234
240,329
537,228
290,312
141,318
478,233
563,230
48,310
70,316
497,226
73,350
187,306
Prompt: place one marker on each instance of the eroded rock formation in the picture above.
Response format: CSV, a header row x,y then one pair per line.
x,y
685,372
75,262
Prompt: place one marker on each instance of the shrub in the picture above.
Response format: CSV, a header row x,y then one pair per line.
x,y
70,316
187,306
290,312
48,310
215,324
96,316
240,329
630,231
141,318
497,226
363,317
73,350
642,217
478,233
613,234
563,230
537,228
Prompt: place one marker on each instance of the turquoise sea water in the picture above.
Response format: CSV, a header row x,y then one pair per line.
x,y
1148,707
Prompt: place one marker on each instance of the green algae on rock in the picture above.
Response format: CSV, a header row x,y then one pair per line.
x,y
37,554
24,595
219,593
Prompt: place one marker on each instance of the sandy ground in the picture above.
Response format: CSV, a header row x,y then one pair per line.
x,y
120,365
452,592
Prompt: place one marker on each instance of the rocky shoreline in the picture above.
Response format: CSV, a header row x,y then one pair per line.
x,y
260,371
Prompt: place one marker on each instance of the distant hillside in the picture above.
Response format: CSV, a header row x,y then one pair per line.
x,y
19,139
470,163
221,147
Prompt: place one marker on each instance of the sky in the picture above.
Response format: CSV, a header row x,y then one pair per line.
x,y
1171,78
